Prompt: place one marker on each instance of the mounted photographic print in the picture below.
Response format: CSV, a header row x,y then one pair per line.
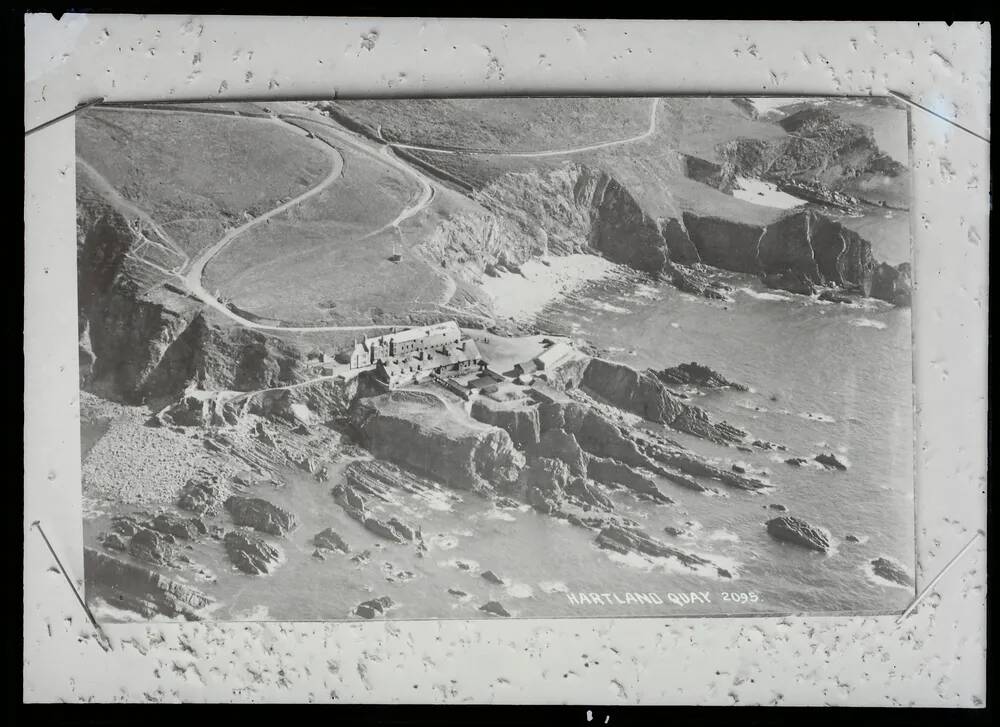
x,y
495,358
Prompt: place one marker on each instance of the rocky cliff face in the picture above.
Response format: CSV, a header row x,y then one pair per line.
x,y
804,246
142,339
425,437
560,210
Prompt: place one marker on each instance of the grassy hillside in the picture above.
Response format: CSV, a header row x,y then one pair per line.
x,y
320,261
193,171
507,124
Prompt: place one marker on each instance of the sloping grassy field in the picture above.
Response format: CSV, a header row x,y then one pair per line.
x,y
191,172
505,124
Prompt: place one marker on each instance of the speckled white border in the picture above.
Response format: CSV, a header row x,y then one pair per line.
x,y
935,657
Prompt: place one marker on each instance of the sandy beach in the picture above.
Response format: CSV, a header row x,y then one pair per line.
x,y
542,281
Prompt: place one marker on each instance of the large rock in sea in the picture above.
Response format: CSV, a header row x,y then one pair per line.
x,y
330,540
798,532
249,553
494,608
830,461
374,607
889,570
694,374
260,514
419,432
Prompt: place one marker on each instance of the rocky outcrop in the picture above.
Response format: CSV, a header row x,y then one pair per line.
x,y
198,410
543,482
249,553
128,585
694,374
823,251
588,494
611,472
691,464
893,284
494,608
179,527
152,547
492,577
561,445
633,540
644,394
422,435
202,495
792,530
374,607
330,540
357,507
889,570
260,514
820,146
521,423
830,461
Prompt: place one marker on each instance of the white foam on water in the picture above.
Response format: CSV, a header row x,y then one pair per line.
x,y
763,294
723,535
519,590
553,587
443,542
867,323
257,613
649,292
453,563
497,514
